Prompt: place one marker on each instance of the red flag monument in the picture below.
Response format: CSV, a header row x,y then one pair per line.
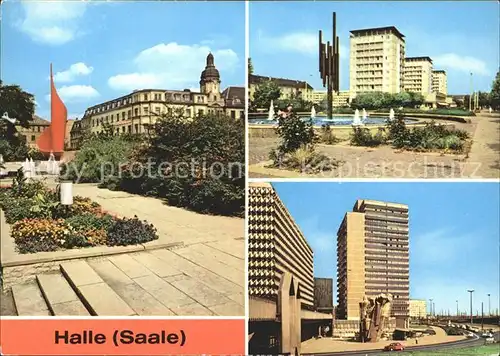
x,y
52,139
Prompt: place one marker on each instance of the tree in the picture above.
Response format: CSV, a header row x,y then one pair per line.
x,y
20,105
17,103
495,93
264,93
250,66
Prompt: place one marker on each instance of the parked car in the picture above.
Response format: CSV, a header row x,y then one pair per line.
x,y
490,340
487,335
395,346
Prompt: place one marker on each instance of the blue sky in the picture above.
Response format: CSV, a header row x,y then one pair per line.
x,y
101,50
459,36
454,233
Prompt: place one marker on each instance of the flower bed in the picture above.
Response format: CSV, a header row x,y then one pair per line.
x,y
41,223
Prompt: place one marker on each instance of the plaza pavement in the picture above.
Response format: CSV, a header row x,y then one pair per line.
x,y
386,162
201,273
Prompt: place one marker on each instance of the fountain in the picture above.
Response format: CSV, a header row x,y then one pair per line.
x,y
391,114
313,112
365,115
357,120
270,115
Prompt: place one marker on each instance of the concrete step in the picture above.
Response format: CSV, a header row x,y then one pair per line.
x,y
98,297
29,301
59,296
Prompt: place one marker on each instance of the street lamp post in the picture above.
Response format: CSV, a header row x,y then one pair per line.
x,y
489,305
471,291
457,307
430,305
471,93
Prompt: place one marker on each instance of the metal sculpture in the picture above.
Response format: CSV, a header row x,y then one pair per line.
x,y
374,315
52,139
329,64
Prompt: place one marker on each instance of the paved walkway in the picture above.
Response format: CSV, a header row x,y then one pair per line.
x,y
484,157
205,275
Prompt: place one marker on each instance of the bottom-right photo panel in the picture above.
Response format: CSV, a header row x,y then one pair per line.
x,y
362,268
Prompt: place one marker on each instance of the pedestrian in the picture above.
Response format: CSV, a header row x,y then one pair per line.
x,y
416,341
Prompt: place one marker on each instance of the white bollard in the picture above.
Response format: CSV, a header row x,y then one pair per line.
x,y
66,191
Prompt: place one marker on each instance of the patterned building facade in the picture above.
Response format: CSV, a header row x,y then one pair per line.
x,y
276,245
135,112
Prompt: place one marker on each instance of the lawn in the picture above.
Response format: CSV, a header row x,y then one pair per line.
x,y
486,350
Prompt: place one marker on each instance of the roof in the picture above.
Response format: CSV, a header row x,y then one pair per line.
x,y
415,59
391,29
231,93
439,71
37,120
299,84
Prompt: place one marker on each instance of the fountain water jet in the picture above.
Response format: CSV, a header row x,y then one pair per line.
x,y
270,115
313,112
365,115
357,120
391,114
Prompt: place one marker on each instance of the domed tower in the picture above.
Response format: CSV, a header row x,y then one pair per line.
x,y
210,80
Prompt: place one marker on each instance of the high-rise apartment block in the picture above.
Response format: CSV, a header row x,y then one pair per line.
x,y
276,245
418,75
373,257
376,60
439,82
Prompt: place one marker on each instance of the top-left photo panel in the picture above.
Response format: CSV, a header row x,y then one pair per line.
x,y
122,158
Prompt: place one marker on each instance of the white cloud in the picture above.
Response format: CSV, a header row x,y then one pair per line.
x,y
51,22
464,64
301,42
75,70
76,93
172,66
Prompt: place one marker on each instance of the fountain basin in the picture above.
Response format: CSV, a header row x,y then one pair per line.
x,y
319,121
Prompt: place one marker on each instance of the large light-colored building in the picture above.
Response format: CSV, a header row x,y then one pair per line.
x,y
290,88
373,257
339,99
418,308
376,60
439,82
418,75
135,112
276,245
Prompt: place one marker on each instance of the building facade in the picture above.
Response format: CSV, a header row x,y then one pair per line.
x,y
276,245
376,60
35,128
290,88
136,112
418,308
439,82
339,99
418,75
373,257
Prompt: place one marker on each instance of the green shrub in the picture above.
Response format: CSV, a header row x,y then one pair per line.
x,y
18,209
362,136
39,235
86,238
327,136
305,160
99,157
130,232
294,133
208,141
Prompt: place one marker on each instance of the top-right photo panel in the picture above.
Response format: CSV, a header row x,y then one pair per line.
x,y
374,90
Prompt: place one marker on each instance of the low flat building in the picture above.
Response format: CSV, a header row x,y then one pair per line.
x,y
290,88
340,99
137,111
418,308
